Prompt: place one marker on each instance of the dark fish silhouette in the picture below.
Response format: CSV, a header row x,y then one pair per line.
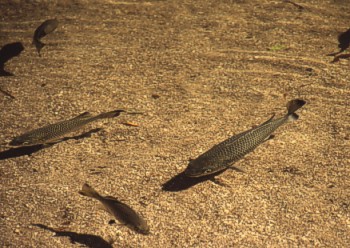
x,y
344,40
45,28
223,155
7,52
53,132
119,210
344,43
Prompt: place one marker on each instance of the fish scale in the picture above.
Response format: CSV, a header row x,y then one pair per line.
x,y
224,154
56,130
52,132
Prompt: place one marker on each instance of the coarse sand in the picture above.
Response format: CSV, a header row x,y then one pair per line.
x,y
199,72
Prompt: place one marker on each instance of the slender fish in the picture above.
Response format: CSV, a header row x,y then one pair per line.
x,y
224,154
45,28
54,132
119,210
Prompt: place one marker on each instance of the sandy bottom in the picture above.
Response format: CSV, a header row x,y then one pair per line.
x,y
200,72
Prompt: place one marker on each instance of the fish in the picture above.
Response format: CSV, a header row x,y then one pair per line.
x,y
222,156
53,132
45,28
122,212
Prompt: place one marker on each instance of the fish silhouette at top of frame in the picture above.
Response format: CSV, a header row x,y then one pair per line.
x,y
45,28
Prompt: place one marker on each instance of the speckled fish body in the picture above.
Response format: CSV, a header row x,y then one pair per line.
x,y
53,132
122,212
45,28
224,154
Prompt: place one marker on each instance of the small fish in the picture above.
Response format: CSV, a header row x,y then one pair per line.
x,y
45,28
51,133
224,154
119,210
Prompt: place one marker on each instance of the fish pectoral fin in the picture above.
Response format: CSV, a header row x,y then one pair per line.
x,y
270,137
84,115
235,168
47,145
219,182
52,142
273,115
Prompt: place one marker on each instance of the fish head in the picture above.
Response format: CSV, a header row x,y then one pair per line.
x,y
19,141
202,166
142,228
25,140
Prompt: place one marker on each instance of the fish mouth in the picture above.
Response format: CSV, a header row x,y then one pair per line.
x,y
15,143
143,231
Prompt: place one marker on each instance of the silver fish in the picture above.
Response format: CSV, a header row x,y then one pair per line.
x,y
53,132
45,28
224,154
119,210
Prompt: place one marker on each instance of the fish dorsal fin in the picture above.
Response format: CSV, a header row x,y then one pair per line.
x,y
83,115
273,115
237,136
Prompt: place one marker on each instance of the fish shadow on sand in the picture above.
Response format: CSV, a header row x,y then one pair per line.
x,y
88,240
29,150
7,52
182,182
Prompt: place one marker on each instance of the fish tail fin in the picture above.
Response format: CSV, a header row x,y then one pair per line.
x,y
39,45
293,117
293,106
110,114
87,190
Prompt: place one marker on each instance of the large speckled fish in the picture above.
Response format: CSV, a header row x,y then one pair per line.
x,y
45,28
119,210
54,132
224,154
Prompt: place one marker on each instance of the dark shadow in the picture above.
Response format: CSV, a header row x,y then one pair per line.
x,y
29,150
20,151
89,240
340,56
183,182
84,135
7,52
344,42
294,4
6,93
292,170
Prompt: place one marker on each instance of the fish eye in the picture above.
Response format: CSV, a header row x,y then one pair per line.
x,y
207,171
